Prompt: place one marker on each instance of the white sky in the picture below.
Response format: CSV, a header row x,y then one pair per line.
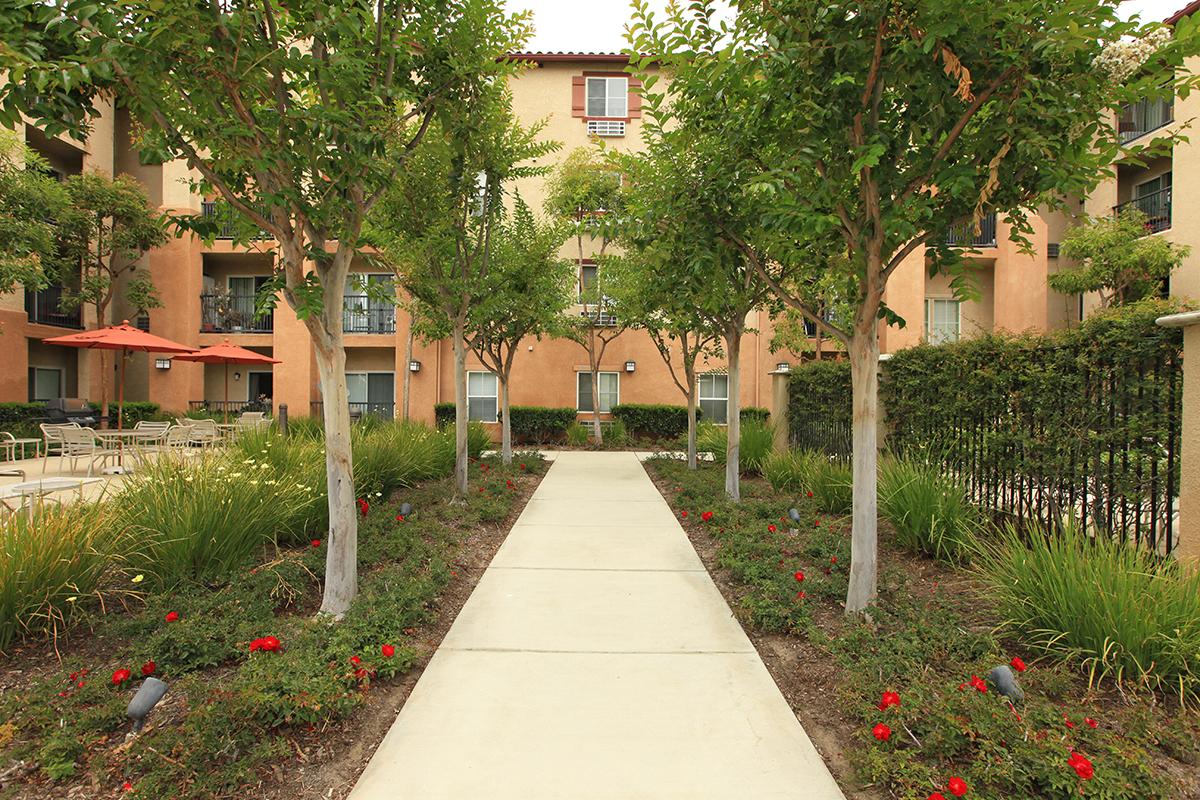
x,y
599,25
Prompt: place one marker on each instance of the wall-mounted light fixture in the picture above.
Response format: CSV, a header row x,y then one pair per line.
x,y
630,366
783,366
414,366
162,363
237,376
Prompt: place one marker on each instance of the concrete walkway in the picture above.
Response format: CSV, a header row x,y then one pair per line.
x,y
596,659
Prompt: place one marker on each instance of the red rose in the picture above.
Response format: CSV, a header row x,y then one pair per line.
x,y
810,494
833,559
771,528
126,787
363,506
881,732
706,516
355,660
937,796
172,616
148,669
1018,664
979,684
799,576
388,651
1067,721
399,518
817,523
957,787
800,595
270,644
683,514
120,676
1082,766
888,700
1091,723
522,466
315,543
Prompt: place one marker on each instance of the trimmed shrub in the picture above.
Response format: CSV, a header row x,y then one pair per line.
x,y
757,442
756,413
1118,612
928,509
578,435
443,414
653,421
537,424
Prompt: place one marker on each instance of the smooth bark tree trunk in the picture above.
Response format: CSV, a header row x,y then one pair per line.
x,y
505,425
733,429
691,433
460,410
407,384
864,375
341,559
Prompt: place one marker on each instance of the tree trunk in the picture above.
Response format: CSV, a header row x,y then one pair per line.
x,y
505,424
733,429
597,432
691,432
864,374
460,410
341,556
407,384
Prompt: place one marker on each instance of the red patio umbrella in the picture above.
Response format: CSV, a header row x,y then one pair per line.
x,y
226,353
123,337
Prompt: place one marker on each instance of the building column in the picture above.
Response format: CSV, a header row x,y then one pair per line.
x,y
780,381
1187,533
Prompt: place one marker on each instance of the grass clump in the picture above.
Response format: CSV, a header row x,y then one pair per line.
x,y
578,435
1115,610
928,509
832,485
756,443
790,471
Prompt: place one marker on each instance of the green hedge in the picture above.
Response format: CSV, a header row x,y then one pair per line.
x,y
653,421
23,418
756,413
443,414
819,411
538,424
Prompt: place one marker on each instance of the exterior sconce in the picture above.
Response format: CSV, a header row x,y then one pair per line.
x,y
414,366
237,376
162,363
630,366
783,366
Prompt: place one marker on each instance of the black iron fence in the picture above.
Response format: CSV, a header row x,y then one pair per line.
x,y
965,235
43,307
222,312
1155,205
361,315
230,222
227,406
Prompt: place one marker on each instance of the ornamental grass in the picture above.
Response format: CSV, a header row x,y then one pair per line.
x,y
756,443
928,509
790,471
51,565
1122,614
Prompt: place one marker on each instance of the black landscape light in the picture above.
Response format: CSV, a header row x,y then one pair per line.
x,y
147,697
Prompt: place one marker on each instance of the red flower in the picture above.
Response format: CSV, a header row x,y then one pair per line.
x,y
706,516
148,669
957,786
355,660
1067,721
172,616
833,559
1091,723
937,796
120,676
979,684
810,493
522,466
881,732
363,506
683,514
126,787
800,595
888,700
1082,766
771,528
267,644
817,523
388,651
315,543
799,576
1018,664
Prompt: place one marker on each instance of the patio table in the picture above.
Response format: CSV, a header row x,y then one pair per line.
x,y
135,438
12,445
36,490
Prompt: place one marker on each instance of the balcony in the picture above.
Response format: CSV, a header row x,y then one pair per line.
x,y
230,222
360,314
43,308
965,236
601,319
1144,116
1155,205
233,313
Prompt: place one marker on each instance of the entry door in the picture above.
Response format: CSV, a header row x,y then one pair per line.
x,y
259,384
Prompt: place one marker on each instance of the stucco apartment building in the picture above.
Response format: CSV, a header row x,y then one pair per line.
x,y
207,293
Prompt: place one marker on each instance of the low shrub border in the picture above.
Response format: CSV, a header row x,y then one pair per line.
x,y
539,424
903,697
254,677
653,421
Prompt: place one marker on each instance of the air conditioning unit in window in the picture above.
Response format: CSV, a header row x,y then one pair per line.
x,y
606,127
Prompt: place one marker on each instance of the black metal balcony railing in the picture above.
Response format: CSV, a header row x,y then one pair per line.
x,y
43,308
1144,116
230,222
221,313
385,411
1155,205
360,315
965,235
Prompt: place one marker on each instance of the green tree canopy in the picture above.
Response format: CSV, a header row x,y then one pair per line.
x,y
30,200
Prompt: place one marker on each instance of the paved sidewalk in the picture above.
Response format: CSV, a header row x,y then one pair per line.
x,y
596,659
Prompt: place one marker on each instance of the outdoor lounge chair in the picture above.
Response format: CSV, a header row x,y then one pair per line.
x,y
80,443
52,439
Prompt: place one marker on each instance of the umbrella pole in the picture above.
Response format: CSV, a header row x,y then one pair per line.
x,y
121,412
226,392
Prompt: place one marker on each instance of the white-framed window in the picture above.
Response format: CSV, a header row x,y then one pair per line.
x,y
943,320
372,392
587,278
45,383
483,392
610,391
607,97
714,397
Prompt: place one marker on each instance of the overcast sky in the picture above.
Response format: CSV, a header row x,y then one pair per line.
x,y
599,25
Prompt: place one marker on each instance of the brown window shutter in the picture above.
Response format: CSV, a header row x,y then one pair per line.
x,y
578,96
635,98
